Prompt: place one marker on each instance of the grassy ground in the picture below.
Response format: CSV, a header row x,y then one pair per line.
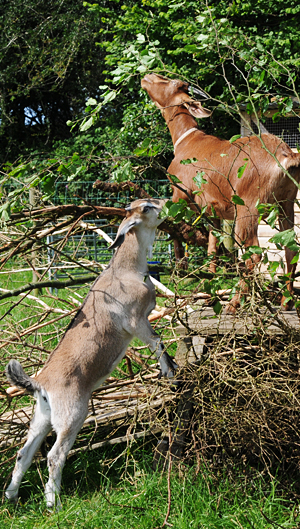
x,y
115,489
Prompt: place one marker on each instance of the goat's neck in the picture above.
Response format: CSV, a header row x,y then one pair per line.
x,y
179,121
132,254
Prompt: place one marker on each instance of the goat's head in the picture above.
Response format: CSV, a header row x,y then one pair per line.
x,y
171,93
140,212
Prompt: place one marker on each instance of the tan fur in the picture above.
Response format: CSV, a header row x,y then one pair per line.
x,y
114,312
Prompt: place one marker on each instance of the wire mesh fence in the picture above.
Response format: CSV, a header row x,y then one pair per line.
x,y
285,128
89,247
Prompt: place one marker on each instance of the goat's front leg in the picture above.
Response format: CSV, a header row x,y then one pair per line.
x,y
213,245
245,231
148,336
180,257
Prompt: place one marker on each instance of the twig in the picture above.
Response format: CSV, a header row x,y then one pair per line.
x,y
57,284
38,326
169,479
274,525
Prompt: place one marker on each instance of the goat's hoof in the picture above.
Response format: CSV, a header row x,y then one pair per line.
x,y
172,369
170,374
54,506
11,496
231,308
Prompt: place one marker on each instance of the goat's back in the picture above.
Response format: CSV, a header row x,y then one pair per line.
x,y
220,161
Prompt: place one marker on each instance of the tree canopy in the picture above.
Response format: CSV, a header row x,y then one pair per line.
x,y
71,101
49,65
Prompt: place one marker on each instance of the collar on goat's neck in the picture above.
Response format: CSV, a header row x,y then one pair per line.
x,y
183,119
183,136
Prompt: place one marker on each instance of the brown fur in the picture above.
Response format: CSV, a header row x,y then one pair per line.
x,y
263,179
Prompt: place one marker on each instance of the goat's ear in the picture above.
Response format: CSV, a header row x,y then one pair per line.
x,y
125,226
195,108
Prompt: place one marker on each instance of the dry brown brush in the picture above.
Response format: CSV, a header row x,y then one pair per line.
x,y
245,394
238,390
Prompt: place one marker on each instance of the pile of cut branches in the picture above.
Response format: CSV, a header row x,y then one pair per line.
x,y
245,389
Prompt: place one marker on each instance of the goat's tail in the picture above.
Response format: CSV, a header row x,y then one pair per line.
x,y
16,376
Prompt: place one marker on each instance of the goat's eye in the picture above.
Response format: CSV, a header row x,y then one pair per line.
x,y
146,209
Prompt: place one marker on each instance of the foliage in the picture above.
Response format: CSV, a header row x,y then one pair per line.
x,y
49,67
235,52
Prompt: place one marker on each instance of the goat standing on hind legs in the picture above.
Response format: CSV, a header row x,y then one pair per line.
x,y
115,311
263,179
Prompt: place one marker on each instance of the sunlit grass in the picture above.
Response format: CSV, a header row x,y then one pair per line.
x,y
128,494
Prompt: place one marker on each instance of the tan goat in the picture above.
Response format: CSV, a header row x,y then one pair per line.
x,y
115,311
264,178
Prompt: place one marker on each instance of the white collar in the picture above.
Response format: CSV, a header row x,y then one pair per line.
x,y
184,135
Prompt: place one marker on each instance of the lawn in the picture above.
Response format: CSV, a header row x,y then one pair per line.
x,y
118,489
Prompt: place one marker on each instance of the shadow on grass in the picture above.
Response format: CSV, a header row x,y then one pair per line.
x,y
117,488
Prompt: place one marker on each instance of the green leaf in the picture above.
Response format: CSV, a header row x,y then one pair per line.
x,y
110,95
48,184
191,48
64,170
272,217
217,308
140,38
5,211
286,239
188,161
255,249
234,138
289,105
86,124
262,76
199,180
175,179
143,148
175,209
91,101
123,173
273,266
237,200
241,170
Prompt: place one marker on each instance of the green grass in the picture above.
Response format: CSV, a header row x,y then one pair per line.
x,y
116,487
99,494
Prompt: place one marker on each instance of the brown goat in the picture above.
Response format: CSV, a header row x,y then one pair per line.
x,y
264,178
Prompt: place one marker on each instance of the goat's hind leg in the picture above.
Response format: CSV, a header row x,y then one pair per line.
x,y
286,222
67,427
40,426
